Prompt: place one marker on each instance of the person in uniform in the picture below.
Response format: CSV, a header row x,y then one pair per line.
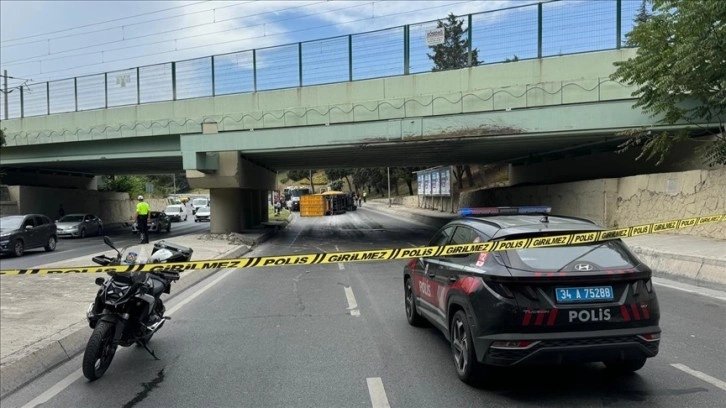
x,y
142,219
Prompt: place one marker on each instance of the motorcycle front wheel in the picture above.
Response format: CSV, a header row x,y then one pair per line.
x,y
99,351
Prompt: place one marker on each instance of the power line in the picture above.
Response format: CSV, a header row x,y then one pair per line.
x,y
30,59
41,57
242,39
102,22
122,27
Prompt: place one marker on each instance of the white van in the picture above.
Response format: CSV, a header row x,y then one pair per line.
x,y
176,212
198,203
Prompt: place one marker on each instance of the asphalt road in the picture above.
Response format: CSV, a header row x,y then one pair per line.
x,y
336,336
74,247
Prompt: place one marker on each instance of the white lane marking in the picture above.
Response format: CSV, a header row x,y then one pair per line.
x,y
352,304
377,393
71,378
198,293
341,266
691,289
54,390
702,376
337,249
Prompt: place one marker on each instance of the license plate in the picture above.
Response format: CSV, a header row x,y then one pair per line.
x,y
586,294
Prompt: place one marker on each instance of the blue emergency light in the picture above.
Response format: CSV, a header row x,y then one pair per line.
x,y
505,210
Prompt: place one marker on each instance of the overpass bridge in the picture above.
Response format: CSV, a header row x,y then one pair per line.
x,y
485,114
233,143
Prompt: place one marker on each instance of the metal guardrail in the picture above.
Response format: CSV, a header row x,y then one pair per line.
x,y
533,31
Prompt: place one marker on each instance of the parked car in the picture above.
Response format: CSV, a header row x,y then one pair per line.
x,y
176,212
159,222
203,214
79,225
21,232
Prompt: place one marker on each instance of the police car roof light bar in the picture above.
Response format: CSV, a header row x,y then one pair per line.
x,y
505,210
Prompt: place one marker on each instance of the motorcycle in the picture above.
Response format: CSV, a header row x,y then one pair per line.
x,y
128,308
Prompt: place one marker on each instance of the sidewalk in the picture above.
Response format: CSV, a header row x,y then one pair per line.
x,y
691,259
43,317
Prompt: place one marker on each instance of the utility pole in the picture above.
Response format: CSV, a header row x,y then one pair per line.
x,y
5,92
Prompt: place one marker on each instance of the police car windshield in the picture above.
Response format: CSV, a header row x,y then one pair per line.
x,y
609,254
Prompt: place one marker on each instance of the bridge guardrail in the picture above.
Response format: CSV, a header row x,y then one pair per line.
x,y
525,32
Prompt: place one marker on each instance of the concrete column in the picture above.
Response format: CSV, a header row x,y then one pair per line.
x,y
263,201
226,208
246,209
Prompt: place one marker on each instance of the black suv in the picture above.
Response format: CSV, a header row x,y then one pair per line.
x,y
579,303
21,232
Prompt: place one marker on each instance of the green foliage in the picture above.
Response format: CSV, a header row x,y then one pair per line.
x,y
454,52
680,71
515,58
297,175
134,185
337,185
2,137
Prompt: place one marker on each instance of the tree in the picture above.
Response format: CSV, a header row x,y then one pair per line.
x,y
680,71
643,14
406,174
337,174
297,175
454,52
515,58
2,137
134,185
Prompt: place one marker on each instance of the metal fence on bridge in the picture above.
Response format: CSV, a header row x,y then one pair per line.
x,y
525,32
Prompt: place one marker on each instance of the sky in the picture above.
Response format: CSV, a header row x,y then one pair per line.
x,y
67,39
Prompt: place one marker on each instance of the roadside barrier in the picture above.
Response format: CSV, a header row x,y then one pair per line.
x,y
391,254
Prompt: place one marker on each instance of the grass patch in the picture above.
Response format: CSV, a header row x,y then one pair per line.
x,y
284,213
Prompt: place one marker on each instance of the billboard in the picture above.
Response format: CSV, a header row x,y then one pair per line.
x,y
434,182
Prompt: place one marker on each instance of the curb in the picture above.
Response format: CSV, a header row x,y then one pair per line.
x,y
699,271
69,342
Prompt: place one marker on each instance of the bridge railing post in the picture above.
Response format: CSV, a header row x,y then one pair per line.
x,y
138,86
214,91
350,58
47,97
75,94
469,40
539,30
618,23
299,64
406,49
173,80
22,103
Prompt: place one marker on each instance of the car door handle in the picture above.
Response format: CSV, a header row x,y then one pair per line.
x,y
430,274
452,279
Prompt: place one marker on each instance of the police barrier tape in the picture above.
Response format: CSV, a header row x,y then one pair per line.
x,y
390,254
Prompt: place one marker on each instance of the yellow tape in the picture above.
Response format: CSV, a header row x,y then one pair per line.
x,y
390,254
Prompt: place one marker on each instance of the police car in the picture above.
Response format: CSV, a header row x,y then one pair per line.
x,y
584,302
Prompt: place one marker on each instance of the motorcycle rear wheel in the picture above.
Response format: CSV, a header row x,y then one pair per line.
x,y
99,351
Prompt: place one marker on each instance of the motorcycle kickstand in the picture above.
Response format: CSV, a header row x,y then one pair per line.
x,y
143,343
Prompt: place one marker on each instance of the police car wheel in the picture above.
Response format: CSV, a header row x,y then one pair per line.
x,y
414,319
462,348
83,233
626,366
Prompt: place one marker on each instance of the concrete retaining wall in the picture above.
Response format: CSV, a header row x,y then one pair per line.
x,y
624,201
111,207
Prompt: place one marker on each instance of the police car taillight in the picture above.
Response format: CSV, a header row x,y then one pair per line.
x,y
505,210
513,345
650,336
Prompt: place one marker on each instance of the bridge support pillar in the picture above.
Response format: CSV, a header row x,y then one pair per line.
x,y
237,209
238,190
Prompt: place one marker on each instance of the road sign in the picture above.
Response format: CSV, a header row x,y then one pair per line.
x,y
435,37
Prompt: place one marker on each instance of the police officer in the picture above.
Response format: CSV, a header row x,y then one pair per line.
x,y
142,218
